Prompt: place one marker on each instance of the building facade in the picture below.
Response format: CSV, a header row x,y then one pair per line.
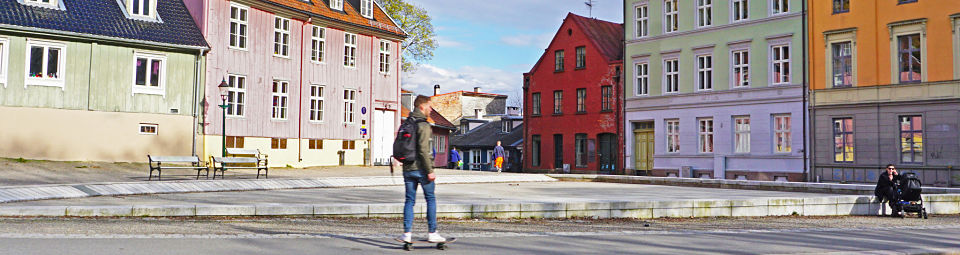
x,y
122,85
476,146
442,129
469,109
714,89
310,84
884,76
572,100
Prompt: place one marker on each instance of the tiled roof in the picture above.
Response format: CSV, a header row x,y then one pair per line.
x,y
434,118
606,36
105,18
350,14
487,135
471,93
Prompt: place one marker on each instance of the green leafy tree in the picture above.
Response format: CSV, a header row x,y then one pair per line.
x,y
419,46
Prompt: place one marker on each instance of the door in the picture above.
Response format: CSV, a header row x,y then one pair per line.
x,y
558,151
383,136
643,151
607,152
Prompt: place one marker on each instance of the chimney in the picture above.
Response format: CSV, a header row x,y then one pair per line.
x,y
476,89
436,89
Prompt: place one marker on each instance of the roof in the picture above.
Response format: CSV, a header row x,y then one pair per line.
x,y
471,93
435,118
105,18
350,14
487,135
406,91
606,37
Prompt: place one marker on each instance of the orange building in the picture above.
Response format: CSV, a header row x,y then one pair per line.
x,y
885,89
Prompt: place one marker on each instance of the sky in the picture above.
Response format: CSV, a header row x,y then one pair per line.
x,y
491,43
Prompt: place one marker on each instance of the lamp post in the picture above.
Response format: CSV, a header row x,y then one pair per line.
x,y
223,98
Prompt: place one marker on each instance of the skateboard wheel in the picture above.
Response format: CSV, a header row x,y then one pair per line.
x,y
408,247
441,246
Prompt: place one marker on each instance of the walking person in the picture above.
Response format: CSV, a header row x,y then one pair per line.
x,y
420,173
498,155
887,188
454,158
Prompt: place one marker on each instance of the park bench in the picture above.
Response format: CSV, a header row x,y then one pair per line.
x,y
222,164
156,163
253,153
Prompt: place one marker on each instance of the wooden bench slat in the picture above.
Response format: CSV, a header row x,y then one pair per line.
x,y
234,160
180,159
237,151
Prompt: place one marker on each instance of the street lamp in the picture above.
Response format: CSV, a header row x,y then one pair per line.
x,y
223,98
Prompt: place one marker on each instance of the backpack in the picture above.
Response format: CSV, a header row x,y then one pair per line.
x,y
405,145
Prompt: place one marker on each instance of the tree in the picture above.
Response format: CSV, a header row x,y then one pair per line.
x,y
419,46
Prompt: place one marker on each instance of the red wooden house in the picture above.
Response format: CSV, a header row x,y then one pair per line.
x,y
573,98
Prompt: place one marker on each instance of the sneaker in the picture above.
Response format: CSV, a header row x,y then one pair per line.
x,y
435,238
406,237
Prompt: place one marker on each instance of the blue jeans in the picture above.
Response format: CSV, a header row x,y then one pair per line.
x,y
411,179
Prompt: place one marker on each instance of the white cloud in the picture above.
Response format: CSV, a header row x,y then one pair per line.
x,y
450,43
490,80
523,14
523,40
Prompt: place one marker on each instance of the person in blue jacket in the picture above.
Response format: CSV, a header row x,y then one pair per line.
x,y
454,158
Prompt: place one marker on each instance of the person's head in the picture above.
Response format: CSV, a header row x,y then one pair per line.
x,y
498,143
891,169
423,104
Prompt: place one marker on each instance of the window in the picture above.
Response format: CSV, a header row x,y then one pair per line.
x,y
670,12
336,5
315,144
4,51
148,129
741,10
557,102
349,103
781,134
581,57
44,3
45,64
911,139
318,40
238,26
741,69
842,65
236,95
149,73
581,100
706,135
705,72
671,81
349,50
535,151
843,140
278,143
643,79
506,126
141,8
464,127
781,64
704,13
558,61
366,8
234,142
440,143
478,113
557,151
906,1
580,141
280,99
349,145
909,58
281,37
779,6
536,103
316,103
384,57
741,134
606,98
840,6
673,136
643,21
476,156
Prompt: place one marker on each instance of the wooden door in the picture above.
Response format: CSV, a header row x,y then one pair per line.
x,y
643,150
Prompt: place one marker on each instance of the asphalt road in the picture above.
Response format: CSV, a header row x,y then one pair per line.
x,y
771,235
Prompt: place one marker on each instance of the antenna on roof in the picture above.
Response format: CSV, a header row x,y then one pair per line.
x,y
589,4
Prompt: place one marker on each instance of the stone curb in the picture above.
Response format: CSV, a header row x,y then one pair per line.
x,y
832,188
813,206
29,193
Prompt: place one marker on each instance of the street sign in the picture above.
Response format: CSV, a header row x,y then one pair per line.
x,y
363,110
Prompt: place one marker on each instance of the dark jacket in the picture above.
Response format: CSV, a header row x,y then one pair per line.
x,y
884,183
424,159
499,153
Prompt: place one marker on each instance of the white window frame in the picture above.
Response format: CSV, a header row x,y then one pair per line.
x,y
744,8
785,131
280,93
705,133
238,87
781,62
668,87
350,50
241,21
704,77
147,89
440,143
643,78
505,126
744,57
784,7
642,22
316,103
741,134
704,13
476,156
336,5
60,81
349,106
156,129
366,8
52,4
281,37
671,15
385,56
4,60
318,44
673,135
152,9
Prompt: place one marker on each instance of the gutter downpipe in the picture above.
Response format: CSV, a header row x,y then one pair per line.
x,y
300,94
196,86
373,59
806,90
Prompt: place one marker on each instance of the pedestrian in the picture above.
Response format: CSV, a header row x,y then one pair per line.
x,y
420,173
498,155
887,188
454,158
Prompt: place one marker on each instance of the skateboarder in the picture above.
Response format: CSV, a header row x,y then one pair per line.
x,y
498,155
420,173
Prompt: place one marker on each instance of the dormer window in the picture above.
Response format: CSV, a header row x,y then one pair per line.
x,y
336,5
506,126
366,8
142,8
43,3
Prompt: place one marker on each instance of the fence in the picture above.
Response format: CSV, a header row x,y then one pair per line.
x,y
930,175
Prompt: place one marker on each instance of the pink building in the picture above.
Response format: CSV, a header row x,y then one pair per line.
x,y
310,82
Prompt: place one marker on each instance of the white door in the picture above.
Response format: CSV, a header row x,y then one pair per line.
x,y
384,129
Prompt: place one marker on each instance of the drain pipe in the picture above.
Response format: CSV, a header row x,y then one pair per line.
x,y
196,85
300,94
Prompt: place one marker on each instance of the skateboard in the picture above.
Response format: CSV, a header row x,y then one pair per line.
x,y
440,245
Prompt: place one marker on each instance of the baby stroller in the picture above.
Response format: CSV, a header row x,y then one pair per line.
x,y
910,200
